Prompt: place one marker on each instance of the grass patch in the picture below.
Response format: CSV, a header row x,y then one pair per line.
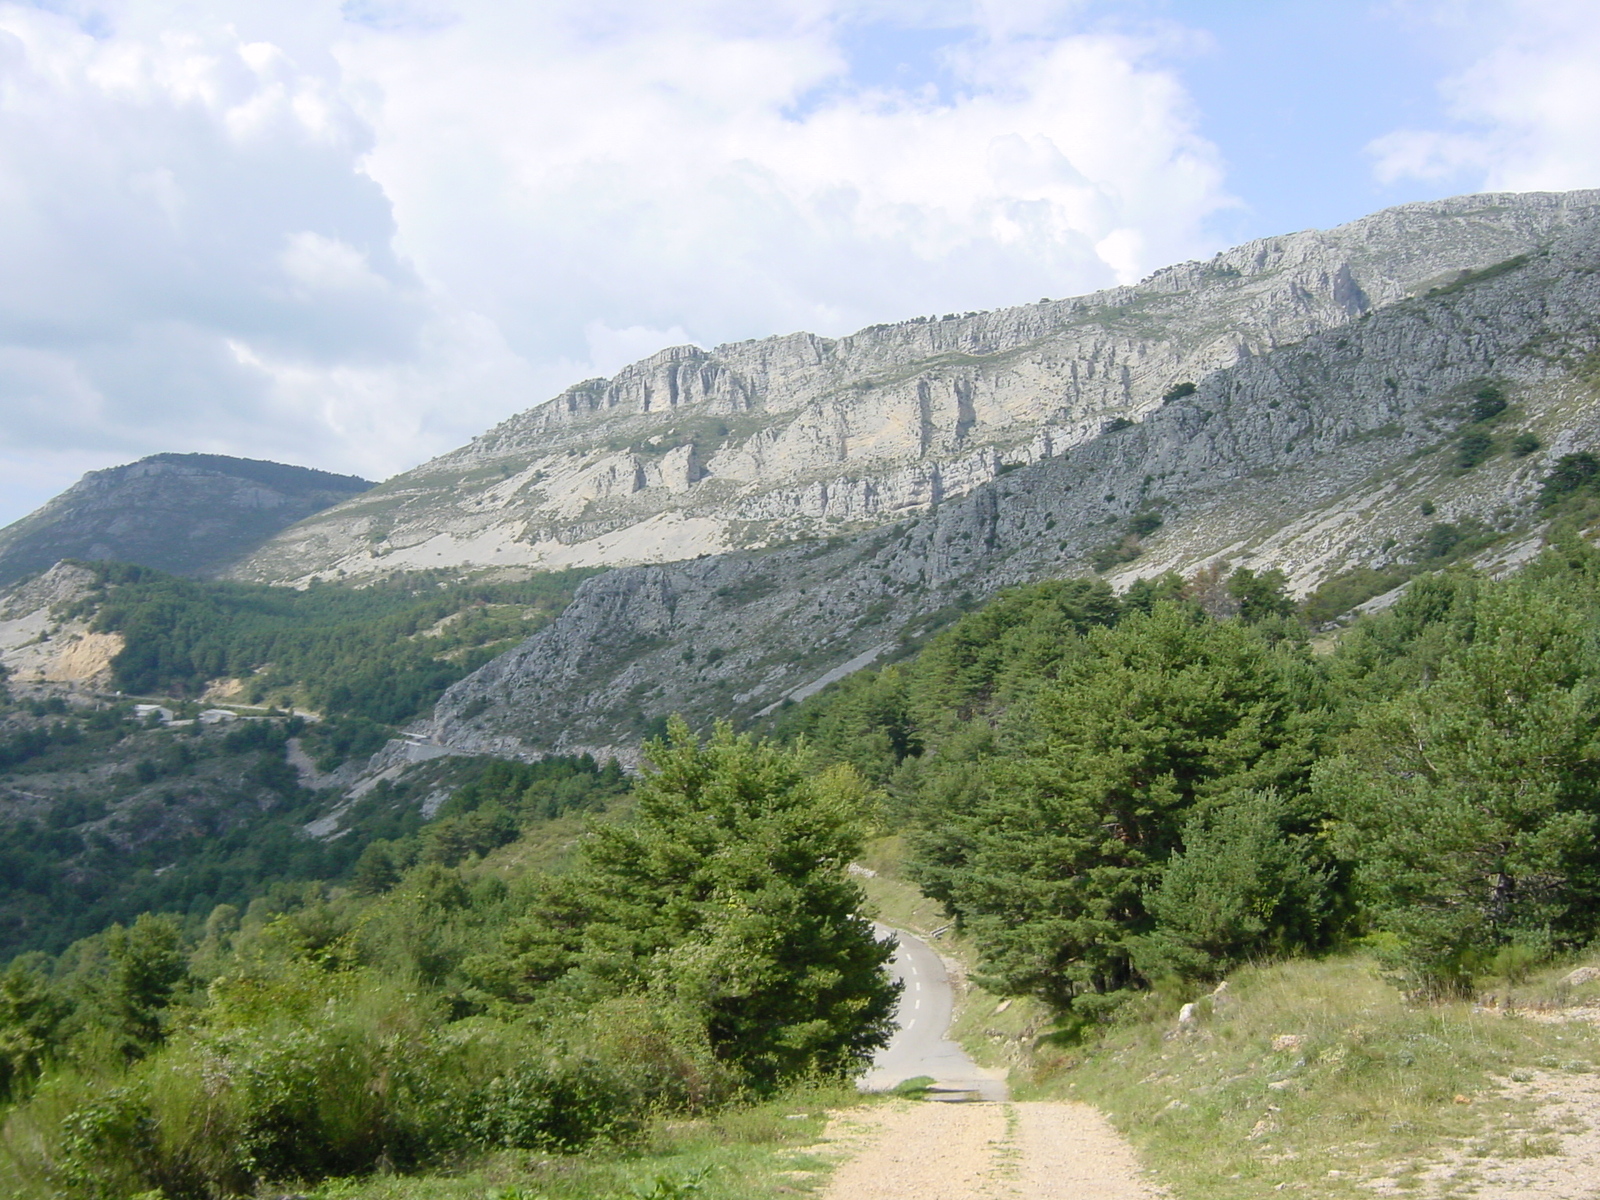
x,y
1315,1076
764,1150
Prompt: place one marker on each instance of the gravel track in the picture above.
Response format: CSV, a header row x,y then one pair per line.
x,y
1026,1151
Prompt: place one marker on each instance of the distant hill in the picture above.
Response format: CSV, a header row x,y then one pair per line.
x,y
190,514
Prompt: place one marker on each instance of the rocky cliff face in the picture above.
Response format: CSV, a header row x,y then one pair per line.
x,y
191,514
694,452
1312,453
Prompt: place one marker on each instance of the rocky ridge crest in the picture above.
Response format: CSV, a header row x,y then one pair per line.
x,y
1340,450
696,452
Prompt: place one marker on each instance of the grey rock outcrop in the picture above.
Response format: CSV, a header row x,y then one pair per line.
x,y
191,514
1313,457
756,443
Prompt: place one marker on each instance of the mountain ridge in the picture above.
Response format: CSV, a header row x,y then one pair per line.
x,y
755,443
1344,450
189,514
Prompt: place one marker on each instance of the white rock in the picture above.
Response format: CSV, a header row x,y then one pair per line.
x,y
693,452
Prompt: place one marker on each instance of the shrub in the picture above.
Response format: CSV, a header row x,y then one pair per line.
x,y
1145,523
1243,886
1488,401
1572,473
1473,449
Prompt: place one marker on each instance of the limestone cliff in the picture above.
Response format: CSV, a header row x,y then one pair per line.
x,y
693,452
1342,447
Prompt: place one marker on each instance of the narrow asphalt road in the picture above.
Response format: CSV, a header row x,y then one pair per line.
x,y
919,1046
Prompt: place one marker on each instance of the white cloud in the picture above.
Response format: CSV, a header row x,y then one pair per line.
x,y
355,236
1526,108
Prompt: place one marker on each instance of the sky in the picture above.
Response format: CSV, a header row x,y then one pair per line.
x,y
354,235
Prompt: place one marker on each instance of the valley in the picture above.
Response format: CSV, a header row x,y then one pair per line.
x,y
1206,669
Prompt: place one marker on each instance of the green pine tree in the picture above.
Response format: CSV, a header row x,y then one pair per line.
x,y
725,897
1050,866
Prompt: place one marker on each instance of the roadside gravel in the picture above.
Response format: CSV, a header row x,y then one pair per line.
x,y
1025,1151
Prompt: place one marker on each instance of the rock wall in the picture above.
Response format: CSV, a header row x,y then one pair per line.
x,y
693,451
1312,457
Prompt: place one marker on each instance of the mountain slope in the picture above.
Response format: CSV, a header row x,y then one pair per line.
x,y
1347,449
191,514
693,451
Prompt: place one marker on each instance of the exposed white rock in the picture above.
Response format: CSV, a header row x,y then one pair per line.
x,y
695,452
39,643
1312,458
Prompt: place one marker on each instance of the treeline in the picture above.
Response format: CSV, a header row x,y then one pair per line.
x,y
1107,791
383,652
705,944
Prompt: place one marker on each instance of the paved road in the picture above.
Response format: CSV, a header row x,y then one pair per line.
x,y
919,1046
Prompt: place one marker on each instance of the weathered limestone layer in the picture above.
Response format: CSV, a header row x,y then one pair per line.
x,y
1313,457
693,452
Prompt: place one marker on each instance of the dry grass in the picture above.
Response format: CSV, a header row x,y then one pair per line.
x,y
760,1152
1319,1076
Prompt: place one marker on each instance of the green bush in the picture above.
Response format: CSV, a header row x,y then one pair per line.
x,y
1245,886
305,1076
1473,448
1572,473
1487,402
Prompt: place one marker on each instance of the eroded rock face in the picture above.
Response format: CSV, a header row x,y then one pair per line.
x,y
190,514
40,644
693,451
1311,457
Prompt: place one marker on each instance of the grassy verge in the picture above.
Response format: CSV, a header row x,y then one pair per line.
x,y
1310,1076
1319,1076
768,1150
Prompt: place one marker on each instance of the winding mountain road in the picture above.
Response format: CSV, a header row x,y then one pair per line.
x,y
998,1150
919,1046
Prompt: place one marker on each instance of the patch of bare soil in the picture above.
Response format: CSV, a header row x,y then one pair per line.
x,y
1031,1151
1556,1156
81,658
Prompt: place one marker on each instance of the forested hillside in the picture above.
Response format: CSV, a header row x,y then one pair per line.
x,y
382,653
1110,792
105,814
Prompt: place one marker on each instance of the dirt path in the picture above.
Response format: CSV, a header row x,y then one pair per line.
x,y
1033,1151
